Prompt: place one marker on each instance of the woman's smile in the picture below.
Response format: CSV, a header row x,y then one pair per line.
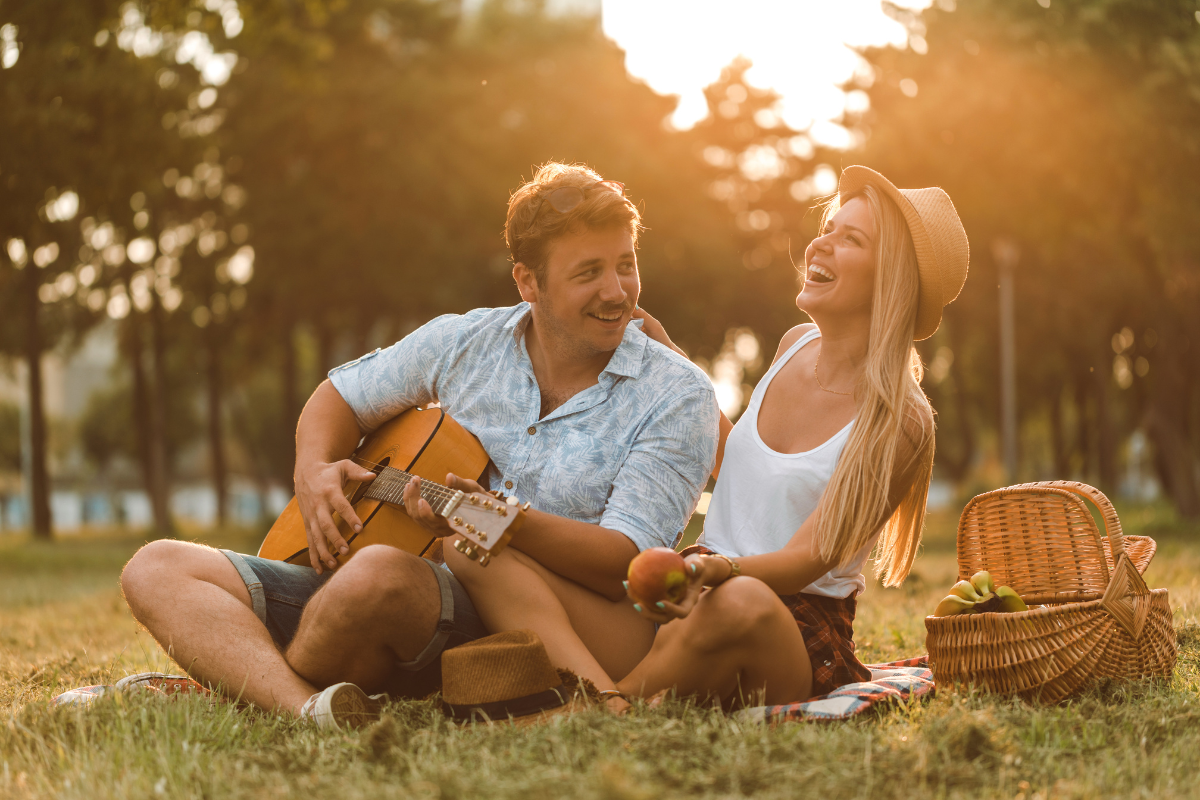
x,y
818,274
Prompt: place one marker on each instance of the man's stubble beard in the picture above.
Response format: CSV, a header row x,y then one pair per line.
x,y
557,337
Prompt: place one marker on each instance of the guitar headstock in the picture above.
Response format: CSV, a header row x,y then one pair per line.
x,y
486,523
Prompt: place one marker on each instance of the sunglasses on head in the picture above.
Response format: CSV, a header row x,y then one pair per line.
x,y
566,199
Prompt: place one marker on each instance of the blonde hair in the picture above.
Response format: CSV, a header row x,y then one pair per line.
x,y
890,404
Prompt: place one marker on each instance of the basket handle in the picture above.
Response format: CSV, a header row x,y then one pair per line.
x,y
1112,523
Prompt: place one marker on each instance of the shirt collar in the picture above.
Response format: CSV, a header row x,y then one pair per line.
x,y
626,361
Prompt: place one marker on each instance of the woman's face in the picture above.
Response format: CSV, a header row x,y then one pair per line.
x,y
840,264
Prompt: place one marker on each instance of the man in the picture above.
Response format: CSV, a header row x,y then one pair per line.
x,y
609,435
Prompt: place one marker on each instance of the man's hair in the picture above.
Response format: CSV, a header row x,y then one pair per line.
x,y
533,224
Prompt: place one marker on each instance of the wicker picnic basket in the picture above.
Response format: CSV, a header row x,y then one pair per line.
x,y
1096,617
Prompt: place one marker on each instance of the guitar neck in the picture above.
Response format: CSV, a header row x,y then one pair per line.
x,y
389,484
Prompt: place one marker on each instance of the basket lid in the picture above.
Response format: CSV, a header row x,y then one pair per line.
x,y
1041,539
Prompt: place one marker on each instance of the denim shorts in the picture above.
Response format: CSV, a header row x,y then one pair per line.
x,y
279,591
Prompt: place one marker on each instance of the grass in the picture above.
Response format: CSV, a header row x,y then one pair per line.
x,y
63,624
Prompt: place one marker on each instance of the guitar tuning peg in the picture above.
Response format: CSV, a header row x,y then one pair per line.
x,y
460,545
485,559
472,553
496,493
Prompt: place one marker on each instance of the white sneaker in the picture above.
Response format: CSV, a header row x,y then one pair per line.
x,y
342,705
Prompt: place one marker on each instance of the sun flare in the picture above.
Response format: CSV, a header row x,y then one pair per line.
x,y
800,48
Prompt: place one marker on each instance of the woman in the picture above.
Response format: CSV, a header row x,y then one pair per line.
x,y
831,460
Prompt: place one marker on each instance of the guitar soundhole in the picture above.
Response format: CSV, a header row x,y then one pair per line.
x,y
362,487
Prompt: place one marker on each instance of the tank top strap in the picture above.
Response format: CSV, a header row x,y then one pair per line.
x,y
757,395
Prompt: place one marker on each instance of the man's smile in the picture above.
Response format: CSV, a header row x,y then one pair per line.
x,y
607,317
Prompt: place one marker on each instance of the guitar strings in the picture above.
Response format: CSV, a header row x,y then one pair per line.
x,y
386,482
390,488
386,471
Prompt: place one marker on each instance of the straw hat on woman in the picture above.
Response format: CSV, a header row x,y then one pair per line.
x,y
830,460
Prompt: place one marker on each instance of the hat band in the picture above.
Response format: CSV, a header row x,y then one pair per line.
x,y
502,709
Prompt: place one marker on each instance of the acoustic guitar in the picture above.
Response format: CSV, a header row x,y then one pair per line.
x,y
426,443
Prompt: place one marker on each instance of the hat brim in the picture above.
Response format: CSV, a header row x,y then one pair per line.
x,y
930,302
533,718
520,711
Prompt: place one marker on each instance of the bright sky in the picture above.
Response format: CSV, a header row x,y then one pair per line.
x,y
798,48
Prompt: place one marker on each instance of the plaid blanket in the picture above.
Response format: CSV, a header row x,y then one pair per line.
x,y
897,680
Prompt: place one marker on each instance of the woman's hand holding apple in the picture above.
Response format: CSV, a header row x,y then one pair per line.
x,y
650,579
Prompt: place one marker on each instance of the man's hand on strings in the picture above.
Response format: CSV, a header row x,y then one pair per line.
x,y
319,493
419,509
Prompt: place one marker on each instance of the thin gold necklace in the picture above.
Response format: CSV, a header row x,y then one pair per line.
x,y
818,377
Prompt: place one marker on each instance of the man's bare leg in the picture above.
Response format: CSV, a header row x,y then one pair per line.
x,y
380,609
195,604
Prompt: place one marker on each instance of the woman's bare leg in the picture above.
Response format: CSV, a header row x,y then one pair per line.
x,y
739,644
590,635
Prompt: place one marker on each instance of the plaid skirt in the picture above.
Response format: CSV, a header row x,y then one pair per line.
x,y
827,625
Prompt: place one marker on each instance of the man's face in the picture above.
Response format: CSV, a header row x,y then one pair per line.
x,y
588,293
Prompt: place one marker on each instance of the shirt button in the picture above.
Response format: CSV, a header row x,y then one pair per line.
x,y
532,430
508,484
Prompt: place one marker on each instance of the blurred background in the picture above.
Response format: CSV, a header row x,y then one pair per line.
x,y
206,204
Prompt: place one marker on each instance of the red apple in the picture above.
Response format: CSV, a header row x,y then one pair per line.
x,y
657,574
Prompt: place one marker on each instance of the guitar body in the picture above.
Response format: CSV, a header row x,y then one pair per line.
x,y
425,442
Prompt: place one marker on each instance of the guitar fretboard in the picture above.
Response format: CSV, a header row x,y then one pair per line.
x,y
389,484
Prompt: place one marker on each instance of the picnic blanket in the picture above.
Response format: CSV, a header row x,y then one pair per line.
x,y
896,680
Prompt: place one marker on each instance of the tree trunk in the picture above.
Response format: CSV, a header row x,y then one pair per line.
x,y
216,442
1058,440
957,466
324,351
1106,438
967,436
1167,424
1083,424
39,482
159,458
291,411
135,352
362,333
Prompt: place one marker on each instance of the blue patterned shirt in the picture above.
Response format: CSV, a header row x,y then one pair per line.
x,y
631,453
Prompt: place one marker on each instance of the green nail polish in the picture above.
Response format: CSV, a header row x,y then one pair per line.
x,y
660,604
637,608
626,585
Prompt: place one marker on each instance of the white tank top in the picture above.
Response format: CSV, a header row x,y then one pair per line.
x,y
763,497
